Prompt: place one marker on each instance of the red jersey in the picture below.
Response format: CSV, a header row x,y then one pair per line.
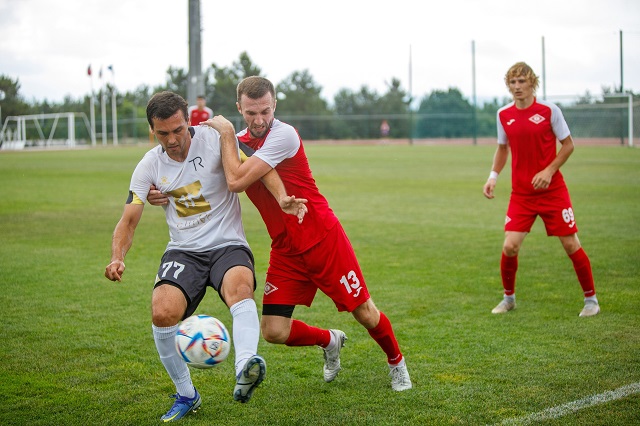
x,y
283,150
532,135
198,115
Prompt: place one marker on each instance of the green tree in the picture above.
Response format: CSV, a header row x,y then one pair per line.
x,y
300,104
11,102
177,79
394,105
222,99
357,113
445,114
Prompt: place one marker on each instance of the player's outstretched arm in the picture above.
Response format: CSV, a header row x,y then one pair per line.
x,y
239,174
288,203
122,240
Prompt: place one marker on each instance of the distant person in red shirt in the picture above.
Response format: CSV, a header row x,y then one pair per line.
x,y
199,112
531,129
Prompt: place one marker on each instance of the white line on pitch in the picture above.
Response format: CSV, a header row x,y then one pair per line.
x,y
570,407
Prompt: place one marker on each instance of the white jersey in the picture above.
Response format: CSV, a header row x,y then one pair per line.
x,y
202,213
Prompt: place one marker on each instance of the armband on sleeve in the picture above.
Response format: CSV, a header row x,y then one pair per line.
x,y
134,199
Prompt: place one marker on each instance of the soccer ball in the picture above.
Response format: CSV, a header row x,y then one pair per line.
x,y
203,341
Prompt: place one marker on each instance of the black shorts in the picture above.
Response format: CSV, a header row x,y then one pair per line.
x,y
193,272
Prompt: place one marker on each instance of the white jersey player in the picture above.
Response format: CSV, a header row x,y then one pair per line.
x,y
207,246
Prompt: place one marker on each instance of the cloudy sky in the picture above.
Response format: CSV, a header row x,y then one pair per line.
x,y
48,45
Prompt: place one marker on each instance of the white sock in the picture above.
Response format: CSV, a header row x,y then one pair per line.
x,y
511,298
591,299
172,361
246,331
333,341
401,363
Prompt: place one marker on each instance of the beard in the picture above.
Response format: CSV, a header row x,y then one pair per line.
x,y
261,130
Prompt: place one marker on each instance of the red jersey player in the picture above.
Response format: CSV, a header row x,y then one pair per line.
x,y
315,254
531,129
199,112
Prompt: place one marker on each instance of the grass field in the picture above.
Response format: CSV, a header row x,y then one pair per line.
x,y
77,349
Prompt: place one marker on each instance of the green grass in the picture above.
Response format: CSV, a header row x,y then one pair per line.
x,y
77,349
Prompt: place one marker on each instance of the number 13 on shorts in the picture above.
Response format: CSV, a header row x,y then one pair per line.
x,y
351,283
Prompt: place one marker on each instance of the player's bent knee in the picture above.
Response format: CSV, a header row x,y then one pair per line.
x,y
274,331
367,314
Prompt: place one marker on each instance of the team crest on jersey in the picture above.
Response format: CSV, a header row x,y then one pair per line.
x,y
269,288
537,119
189,200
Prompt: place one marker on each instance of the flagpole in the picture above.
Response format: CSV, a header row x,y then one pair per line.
x,y
103,100
114,113
92,109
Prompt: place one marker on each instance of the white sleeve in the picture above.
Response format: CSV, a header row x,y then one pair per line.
x,y
502,135
142,178
282,142
558,123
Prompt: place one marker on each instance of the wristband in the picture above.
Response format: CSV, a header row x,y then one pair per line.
x,y
493,175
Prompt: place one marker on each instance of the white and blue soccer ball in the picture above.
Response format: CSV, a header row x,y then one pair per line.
x,y
203,341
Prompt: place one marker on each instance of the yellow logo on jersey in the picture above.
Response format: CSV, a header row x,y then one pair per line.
x,y
189,200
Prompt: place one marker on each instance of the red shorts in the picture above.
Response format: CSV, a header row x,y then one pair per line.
x,y
330,266
553,207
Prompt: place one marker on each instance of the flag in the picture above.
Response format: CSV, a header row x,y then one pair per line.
x,y
89,70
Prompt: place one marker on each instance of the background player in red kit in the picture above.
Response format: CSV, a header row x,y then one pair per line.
x,y
199,112
530,128
315,254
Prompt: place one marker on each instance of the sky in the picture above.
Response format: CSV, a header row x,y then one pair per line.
x,y
427,45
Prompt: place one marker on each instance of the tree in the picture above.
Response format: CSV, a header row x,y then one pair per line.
x,y
222,98
394,105
12,103
300,104
358,113
177,79
445,114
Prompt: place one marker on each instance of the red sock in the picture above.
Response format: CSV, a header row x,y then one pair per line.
x,y
302,334
582,265
383,335
508,269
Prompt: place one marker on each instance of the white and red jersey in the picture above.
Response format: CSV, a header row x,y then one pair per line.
x,y
196,116
532,135
282,149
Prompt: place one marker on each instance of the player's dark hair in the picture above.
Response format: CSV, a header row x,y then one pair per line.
x,y
255,87
163,105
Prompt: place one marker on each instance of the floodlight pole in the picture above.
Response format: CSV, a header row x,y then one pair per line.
x,y
195,82
621,73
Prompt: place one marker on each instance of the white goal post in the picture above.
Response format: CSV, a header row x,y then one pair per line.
x,y
23,131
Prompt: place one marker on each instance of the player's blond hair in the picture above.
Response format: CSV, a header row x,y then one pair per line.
x,y
522,69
